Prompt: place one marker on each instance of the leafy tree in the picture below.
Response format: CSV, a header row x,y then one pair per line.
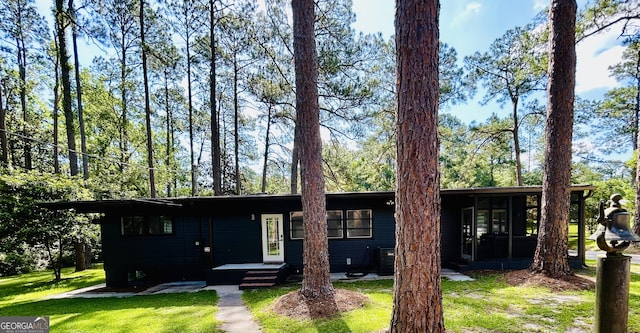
x,y
491,158
117,29
417,297
62,23
600,15
512,69
216,168
237,32
23,25
189,17
316,284
73,22
550,257
38,227
147,103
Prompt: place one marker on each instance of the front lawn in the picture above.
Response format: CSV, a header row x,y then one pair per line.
x,y
488,304
26,295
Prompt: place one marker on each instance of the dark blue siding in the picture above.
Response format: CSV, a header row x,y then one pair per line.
x,y
160,258
361,251
236,239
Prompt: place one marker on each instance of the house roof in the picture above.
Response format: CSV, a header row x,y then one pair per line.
x,y
105,206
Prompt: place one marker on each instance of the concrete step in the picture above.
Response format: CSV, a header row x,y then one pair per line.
x,y
256,285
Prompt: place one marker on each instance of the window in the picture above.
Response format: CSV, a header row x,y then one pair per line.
x,y
334,225
359,223
533,214
296,230
499,221
146,225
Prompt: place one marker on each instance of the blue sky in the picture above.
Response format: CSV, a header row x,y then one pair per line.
x,y
472,25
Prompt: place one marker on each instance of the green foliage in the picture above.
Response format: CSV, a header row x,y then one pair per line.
x,y
22,221
370,168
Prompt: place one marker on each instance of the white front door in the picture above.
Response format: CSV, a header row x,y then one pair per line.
x,y
272,238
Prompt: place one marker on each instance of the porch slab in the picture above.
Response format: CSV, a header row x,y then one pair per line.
x,y
249,266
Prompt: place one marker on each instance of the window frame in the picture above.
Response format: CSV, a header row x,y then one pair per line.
x,y
146,224
292,229
295,219
370,228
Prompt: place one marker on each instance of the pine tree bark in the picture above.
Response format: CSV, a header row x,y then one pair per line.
x,y
169,134
236,124
61,25
83,137
216,167
417,298
4,143
295,158
267,144
147,106
317,281
551,251
56,109
636,119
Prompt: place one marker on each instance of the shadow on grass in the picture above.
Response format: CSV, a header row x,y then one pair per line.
x,y
35,286
326,309
182,312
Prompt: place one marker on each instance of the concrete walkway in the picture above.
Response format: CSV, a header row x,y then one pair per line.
x,y
232,312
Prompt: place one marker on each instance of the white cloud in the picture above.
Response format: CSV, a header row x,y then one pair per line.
x,y
539,5
595,55
469,10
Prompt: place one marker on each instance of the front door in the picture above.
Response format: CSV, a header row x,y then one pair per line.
x,y
272,238
468,230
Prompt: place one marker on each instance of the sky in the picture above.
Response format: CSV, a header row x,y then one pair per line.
x,y
472,25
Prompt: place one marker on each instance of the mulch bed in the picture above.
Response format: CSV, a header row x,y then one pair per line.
x,y
297,306
568,283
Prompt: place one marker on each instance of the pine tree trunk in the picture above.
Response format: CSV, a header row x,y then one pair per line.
x,y
61,24
4,143
236,127
295,158
317,281
80,252
56,110
83,137
417,298
147,106
551,251
265,161
216,168
636,119
516,143
194,187
169,130
22,72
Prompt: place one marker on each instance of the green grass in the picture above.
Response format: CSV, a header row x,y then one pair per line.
x,y
371,318
485,305
34,286
26,295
